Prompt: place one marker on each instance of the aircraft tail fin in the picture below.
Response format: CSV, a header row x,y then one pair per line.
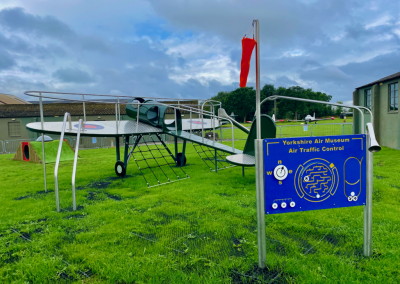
x,y
222,113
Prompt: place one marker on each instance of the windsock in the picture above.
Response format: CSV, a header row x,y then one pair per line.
x,y
247,49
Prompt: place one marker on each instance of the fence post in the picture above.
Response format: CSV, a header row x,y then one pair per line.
x,y
342,128
2,147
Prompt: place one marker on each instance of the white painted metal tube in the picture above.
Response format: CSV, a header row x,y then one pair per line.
x,y
137,117
84,108
119,110
258,105
43,150
367,246
176,123
78,136
116,116
213,123
271,98
260,192
66,116
190,122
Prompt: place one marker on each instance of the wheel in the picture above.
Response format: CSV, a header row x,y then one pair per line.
x,y
120,169
179,157
210,134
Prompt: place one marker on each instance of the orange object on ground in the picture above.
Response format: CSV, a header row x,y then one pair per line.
x,y
247,49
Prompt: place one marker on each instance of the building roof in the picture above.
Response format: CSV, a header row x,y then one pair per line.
x,y
57,109
384,79
10,99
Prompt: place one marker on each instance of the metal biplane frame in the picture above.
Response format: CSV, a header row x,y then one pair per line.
x,y
128,153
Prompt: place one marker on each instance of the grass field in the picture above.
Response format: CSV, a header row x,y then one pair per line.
x,y
198,230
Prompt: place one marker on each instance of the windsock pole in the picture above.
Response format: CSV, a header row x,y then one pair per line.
x,y
259,153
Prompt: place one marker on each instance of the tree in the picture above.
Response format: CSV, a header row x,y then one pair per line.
x,y
339,109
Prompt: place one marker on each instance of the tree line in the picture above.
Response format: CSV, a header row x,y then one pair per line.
x,y
242,102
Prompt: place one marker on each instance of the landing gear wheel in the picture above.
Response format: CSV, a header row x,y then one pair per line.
x,y
120,169
179,159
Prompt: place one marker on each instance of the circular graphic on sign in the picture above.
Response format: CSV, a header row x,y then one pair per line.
x,y
317,179
196,122
91,126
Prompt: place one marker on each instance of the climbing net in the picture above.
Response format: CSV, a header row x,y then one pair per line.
x,y
214,159
155,161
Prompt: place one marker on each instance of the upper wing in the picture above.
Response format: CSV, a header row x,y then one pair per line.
x,y
96,128
197,123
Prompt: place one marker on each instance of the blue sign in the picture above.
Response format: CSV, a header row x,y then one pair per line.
x,y
94,140
312,173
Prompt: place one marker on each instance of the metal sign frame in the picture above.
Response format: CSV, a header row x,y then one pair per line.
x,y
372,146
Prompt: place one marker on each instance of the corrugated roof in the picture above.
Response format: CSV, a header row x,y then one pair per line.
x,y
11,99
75,109
387,78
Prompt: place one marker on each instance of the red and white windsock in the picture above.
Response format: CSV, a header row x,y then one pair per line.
x,y
247,49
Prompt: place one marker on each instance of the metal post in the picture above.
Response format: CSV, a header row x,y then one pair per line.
x,y
342,129
261,239
233,138
183,153
66,116
176,123
84,108
119,110
213,122
78,135
137,118
258,105
191,121
117,148
215,156
43,156
242,171
176,150
116,117
126,152
368,205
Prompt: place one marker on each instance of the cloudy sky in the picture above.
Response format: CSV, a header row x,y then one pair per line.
x,y
192,49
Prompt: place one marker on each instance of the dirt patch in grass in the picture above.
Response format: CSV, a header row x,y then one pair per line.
x,y
114,197
380,177
76,216
99,184
258,275
22,197
395,186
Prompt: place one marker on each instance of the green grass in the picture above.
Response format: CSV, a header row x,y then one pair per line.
x,y
298,129
198,230
51,149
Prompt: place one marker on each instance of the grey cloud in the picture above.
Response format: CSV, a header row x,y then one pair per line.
x,y
16,19
284,81
73,75
325,74
6,60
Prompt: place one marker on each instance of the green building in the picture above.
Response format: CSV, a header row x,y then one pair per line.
x,y
382,98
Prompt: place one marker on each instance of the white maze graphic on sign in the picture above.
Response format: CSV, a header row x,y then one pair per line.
x,y
317,179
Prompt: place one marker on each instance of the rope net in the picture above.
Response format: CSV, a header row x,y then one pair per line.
x,y
156,162
208,154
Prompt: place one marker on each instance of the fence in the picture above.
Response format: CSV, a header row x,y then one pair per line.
x,y
224,133
300,130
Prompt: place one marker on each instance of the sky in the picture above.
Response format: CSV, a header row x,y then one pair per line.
x,y
192,49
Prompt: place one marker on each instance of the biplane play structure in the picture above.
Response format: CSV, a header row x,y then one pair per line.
x,y
292,174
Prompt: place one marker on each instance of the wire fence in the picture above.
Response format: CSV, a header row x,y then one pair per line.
x,y
224,133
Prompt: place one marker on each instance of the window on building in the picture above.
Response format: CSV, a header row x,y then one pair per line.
x,y
394,97
14,129
367,94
